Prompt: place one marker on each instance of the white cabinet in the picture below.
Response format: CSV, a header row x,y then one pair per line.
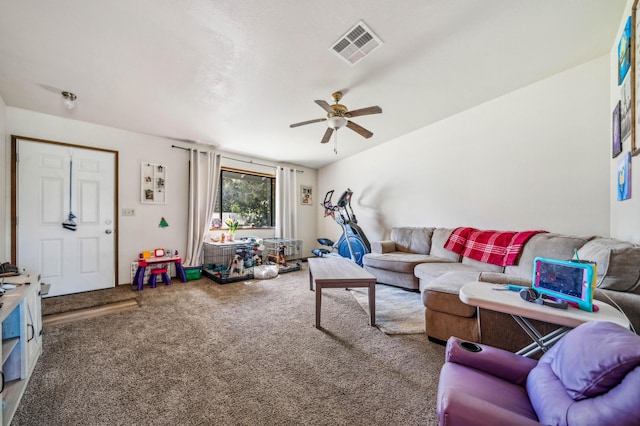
x,y
33,318
21,319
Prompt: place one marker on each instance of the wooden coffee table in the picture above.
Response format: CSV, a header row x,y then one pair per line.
x,y
339,272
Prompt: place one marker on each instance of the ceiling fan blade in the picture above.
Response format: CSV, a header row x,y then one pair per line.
x,y
302,123
364,111
325,106
327,135
359,129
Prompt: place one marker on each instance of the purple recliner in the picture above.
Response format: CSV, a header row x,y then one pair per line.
x,y
590,377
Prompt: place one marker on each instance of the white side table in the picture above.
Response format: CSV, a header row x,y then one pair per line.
x,y
482,295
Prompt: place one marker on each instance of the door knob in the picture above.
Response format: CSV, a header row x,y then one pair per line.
x,y
108,231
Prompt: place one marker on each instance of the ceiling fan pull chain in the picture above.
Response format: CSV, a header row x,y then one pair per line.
x,y
335,142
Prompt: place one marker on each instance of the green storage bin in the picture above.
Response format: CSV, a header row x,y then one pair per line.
x,y
193,272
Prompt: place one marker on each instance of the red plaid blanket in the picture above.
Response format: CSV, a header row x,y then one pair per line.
x,y
495,247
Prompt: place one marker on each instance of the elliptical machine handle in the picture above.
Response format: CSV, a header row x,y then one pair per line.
x,y
327,200
328,207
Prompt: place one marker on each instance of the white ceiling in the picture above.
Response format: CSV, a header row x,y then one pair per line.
x,y
235,74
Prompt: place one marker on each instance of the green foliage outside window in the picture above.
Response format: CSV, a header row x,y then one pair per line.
x,y
247,198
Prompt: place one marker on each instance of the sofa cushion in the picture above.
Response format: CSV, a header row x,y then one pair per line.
x,y
398,261
412,240
428,272
482,265
441,294
549,245
618,263
450,282
396,279
438,240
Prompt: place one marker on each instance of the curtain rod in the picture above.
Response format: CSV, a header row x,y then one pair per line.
x,y
242,161
258,164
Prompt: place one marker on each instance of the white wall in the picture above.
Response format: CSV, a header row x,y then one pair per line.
x,y
625,215
140,232
536,158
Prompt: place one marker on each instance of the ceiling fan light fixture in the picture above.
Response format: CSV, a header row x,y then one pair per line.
x,y
69,100
336,122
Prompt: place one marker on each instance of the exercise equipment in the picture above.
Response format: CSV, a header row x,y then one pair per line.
x,y
353,243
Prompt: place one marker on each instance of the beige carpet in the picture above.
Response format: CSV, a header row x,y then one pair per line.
x,y
398,311
245,353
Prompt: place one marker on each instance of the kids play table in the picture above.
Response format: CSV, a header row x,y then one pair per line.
x,y
150,261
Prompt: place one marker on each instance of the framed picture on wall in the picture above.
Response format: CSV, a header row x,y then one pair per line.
x,y
617,141
306,195
624,177
624,51
626,110
635,76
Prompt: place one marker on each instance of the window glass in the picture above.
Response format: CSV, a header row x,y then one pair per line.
x,y
246,197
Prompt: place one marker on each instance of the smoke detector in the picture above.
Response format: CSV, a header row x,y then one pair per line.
x,y
356,44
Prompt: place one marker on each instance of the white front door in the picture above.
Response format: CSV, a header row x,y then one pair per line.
x,y
72,261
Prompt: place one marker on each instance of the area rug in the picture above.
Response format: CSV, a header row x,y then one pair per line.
x,y
398,311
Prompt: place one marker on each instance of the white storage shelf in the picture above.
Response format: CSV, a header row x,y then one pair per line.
x,y
21,320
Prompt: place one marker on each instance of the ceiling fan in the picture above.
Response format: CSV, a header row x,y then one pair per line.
x,y
338,116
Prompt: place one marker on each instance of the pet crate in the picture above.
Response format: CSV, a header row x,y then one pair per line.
x,y
284,252
229,262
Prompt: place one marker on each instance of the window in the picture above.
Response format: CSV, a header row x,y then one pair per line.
x,y
247,197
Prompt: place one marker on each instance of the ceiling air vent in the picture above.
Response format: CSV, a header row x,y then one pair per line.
x,y
356,44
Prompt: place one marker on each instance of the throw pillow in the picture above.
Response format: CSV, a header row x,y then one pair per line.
x,y
617,262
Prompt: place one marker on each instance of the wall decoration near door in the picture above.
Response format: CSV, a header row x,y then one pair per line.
x,y
153,183
617,141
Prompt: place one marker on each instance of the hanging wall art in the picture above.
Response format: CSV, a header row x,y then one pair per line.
x,y
153,184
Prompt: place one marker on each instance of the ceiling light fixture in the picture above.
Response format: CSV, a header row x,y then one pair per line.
x,y
69,100
336,122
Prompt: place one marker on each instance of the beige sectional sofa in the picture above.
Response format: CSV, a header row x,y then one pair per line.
x,y
415,258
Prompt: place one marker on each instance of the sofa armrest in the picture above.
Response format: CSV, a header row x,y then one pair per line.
x,y
381,247
628,302
497,362
455,407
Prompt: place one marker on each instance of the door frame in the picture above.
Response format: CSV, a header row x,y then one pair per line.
x,y
14,194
